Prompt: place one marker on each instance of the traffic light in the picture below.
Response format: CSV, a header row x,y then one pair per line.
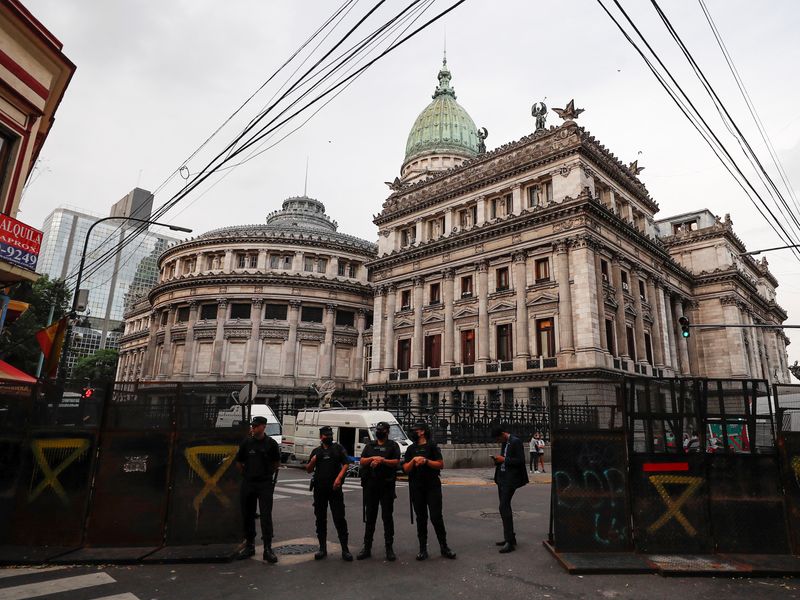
x,y
87,393
684,322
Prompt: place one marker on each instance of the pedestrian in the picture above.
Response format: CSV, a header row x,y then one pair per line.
x,y
378,466
540,452
423,464
533,454
509,475
329,464
258,459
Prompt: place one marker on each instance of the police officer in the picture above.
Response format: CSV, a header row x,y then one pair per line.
x,y
329,465
379,461
509,475
423,463
258,459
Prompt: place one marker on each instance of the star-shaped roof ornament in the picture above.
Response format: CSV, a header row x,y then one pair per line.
x,y
569,113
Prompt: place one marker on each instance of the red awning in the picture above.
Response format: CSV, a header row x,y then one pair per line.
x,y
9,373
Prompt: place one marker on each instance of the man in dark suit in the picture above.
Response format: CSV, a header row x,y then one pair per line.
x,y
509,475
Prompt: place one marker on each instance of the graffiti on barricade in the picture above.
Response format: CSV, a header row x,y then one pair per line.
x,y
65,450
222,455
600,491
674,505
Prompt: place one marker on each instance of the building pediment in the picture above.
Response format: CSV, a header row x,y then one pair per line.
x,y
433,318
403,323
501,306
629,310
466,311
543,298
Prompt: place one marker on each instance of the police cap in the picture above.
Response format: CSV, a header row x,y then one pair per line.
x,y
382,425
420,425
258,421
326,430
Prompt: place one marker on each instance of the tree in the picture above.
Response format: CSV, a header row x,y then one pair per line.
x,y
98,367
18,345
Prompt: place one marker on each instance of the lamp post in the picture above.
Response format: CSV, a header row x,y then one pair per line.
x,y
756,252
79,277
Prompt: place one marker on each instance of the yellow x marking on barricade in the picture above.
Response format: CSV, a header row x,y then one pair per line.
x,y
193,458
674,506
49,475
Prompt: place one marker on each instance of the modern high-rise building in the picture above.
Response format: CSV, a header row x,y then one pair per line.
x,y
116,283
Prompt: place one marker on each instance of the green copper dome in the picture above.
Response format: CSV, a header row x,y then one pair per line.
x,y
444,126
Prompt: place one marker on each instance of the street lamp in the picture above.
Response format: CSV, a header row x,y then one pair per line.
x,y
756,252
79,277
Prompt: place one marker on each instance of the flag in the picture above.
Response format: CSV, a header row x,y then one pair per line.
x,y
51,341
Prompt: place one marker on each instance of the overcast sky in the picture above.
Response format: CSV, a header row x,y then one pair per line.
x,y
155,78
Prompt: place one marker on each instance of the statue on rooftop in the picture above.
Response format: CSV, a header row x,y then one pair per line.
x,y
539,112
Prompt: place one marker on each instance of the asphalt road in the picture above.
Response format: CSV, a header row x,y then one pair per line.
x,y
479,571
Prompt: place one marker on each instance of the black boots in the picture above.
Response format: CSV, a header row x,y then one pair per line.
x,y
390,555
446,552
323,550
248,551
269,555
346,556
365,552
507,547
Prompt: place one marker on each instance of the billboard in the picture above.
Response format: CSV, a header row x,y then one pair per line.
x,y
19,243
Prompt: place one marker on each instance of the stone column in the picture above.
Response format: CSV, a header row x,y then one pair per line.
x,y
516,199
188,354
389,340
361,321
483,312
751,336
521,296
166,350
261,265
417,347
448,222
764,355
585,323
565,332
297,262
377,331
291,339
481,211
682,349
669,330
150,369
638,324
219,337
227,264
449,326
419,233
601,304
198,264
619,318
254,343
657,339
333,267
327,346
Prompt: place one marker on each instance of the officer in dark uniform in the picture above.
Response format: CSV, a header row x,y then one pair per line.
x,y
379,461
258,459
423,463
329,464
510,474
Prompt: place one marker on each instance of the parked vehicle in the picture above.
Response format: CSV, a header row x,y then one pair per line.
x,y
232,417
351,428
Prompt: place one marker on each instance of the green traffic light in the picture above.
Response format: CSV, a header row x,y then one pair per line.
x,y
686,334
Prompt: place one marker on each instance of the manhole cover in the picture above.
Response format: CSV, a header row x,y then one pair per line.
x,y
295,549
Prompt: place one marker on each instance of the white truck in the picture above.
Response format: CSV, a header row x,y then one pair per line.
x,y
232,417
351,428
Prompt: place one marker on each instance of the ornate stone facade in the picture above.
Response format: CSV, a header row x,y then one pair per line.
x,y
284,304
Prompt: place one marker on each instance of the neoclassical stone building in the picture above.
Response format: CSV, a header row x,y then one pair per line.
x,y
499,271
284,304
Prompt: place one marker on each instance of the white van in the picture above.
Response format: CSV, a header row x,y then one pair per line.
x,y
351,428
232,417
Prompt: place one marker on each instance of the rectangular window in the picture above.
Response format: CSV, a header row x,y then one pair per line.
x,y
345,318
641,290
182,315
241,261
610,337
624,276
164,317
287,262
604,270
403,354
208,312
308,264
508,203
311,314
504,348
542,269
252,261
545,338
353,270
342,268
435,296
533,196
276,311
433,351
468,347
631,342
274,261
547,187
240,310
648,347
467,217
502,279
405,299
209,263
466,286
322,265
